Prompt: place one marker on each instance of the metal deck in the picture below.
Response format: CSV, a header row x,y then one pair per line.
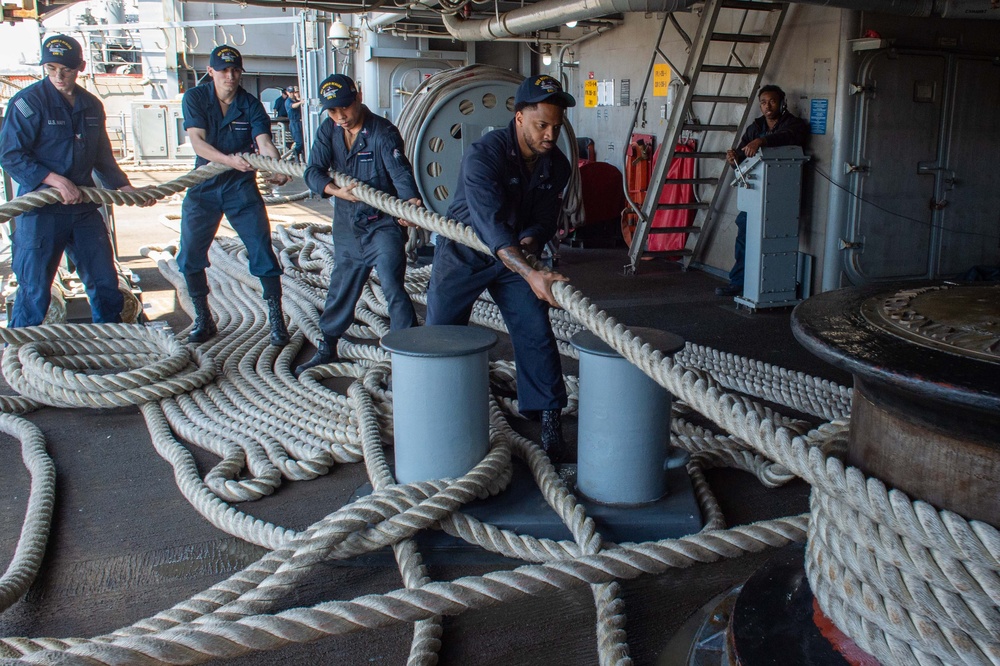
x,y
125,544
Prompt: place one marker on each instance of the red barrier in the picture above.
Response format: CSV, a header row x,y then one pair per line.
x,y
681,167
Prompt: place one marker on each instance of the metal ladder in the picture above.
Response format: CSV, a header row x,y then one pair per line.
x,y
710,85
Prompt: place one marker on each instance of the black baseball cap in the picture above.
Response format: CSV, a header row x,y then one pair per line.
x,y
543,88
337,91
62,50
292,89
224,57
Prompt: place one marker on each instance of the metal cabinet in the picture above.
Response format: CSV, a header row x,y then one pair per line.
x,y
769,192
158,133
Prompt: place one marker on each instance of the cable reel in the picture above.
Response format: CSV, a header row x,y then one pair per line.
x,y
450,111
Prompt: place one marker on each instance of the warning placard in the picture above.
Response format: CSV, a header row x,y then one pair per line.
x,y
661,79
590,93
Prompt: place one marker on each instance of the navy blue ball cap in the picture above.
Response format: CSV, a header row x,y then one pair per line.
x,y
337,91
543,88
224,57
62,50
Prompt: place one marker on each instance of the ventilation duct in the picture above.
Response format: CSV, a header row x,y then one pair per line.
x,y
548,14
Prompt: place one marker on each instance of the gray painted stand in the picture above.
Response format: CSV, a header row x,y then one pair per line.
x,y
624,434
521,508
440,397
769,193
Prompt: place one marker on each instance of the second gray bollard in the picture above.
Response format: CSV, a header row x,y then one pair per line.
x,y
440,400
624,427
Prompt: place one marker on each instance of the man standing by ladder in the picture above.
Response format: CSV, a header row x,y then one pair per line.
x,y
777,127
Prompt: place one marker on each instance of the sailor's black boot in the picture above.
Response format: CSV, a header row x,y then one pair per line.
x,y
276,317
204,326
326,352
552,438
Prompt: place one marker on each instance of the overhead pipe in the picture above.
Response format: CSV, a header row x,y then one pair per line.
x,y
969,9
384,19
565,47
548,14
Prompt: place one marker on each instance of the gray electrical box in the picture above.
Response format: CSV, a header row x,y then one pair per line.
x,y
158,133
769,190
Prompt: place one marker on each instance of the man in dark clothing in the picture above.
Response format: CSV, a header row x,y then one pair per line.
x,y
777,127
223,120
355,142
508,191
278,106
54,136
293,108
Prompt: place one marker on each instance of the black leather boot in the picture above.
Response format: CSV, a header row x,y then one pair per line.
x,y
276,317
552,438
326,352
204,326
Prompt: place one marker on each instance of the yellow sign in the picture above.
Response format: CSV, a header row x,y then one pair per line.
x,y
661,79
590,93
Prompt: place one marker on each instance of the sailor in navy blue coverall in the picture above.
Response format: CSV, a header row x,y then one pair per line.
x,y
355,142
54,136
293,109
223,120
777,127
509,189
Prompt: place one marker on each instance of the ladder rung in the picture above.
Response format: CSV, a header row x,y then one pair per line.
x,y
695,205
752,6
695,127
721,99
691,181
674,230
737,37
729,69
668,253
700,155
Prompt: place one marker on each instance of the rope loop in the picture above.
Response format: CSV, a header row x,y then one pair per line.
x,y
50,364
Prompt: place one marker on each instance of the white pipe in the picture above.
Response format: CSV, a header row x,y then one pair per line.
x,y
548,14
383,19
969,9
562,49
843,132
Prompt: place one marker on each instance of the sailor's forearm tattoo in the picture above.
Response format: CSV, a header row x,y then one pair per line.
x,y
513,258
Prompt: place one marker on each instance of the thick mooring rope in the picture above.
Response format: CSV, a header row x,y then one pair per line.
x,y
32,200
908,583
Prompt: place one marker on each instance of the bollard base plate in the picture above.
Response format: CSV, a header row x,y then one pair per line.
x,y
522,508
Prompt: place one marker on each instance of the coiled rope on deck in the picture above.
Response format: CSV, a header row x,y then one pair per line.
x,y
48,364
929,579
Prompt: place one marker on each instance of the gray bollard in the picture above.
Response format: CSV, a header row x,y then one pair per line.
x,y
440,400
624,427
